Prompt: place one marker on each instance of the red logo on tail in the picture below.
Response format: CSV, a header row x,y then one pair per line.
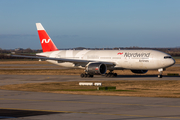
x,y
46,41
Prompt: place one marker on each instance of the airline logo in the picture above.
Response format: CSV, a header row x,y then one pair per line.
x,y
46,41
119,53
96,68
137,55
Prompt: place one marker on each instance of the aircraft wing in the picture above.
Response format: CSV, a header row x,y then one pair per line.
x,y
75,61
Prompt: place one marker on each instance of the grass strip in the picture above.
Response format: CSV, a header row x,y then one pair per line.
x,y
138,88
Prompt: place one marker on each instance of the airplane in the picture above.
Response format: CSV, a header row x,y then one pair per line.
x,y
98,62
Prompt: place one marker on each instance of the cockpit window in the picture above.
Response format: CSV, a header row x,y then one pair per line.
x,y
166,57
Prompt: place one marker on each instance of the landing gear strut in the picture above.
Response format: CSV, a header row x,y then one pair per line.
x,y
160,72
111,74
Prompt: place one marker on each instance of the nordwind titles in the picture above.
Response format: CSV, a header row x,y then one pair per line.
x,y
136,54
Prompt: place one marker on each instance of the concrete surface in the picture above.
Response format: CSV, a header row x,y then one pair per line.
x,y
50,106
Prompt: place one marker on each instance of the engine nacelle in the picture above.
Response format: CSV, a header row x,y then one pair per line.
x,y
96,68
139,71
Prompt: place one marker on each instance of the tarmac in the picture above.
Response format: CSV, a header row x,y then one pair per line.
x,y
50,106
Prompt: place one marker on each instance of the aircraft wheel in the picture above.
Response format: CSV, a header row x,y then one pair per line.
x,y
91,76
111,75
115,74
82,75
86,75
159,76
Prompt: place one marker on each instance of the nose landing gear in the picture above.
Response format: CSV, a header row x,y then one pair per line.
x,y
160,72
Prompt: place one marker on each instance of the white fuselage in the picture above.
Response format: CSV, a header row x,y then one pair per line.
x,y
123,59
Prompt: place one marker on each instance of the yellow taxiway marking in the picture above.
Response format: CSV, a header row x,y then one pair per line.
x,y
89,102
126,115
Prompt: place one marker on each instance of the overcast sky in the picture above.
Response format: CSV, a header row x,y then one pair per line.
x,y
90,23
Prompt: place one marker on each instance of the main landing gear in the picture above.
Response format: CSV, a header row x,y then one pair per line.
x,y
111,74
160,72
86,75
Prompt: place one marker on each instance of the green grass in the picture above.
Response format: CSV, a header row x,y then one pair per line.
x,y
176,57
173,74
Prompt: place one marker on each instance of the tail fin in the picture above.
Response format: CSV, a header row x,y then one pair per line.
x,y
46,42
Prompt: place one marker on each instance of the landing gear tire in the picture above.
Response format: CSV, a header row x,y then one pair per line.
x,y
159,76
86,75
110,74
82,75
91,76
115,74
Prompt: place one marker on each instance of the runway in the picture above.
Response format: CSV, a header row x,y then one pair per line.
x,y
45,106
20,79
79,107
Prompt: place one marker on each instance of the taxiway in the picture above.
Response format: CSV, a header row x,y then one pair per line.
x,y
45,106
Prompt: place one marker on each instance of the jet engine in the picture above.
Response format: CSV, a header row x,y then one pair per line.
x,y
96,68
139,71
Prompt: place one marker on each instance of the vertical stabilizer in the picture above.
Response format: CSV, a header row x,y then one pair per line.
x,y
46,42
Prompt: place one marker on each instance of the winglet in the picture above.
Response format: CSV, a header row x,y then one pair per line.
x,y
46,42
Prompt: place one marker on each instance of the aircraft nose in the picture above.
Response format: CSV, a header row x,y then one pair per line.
x,y
172,62
169,61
